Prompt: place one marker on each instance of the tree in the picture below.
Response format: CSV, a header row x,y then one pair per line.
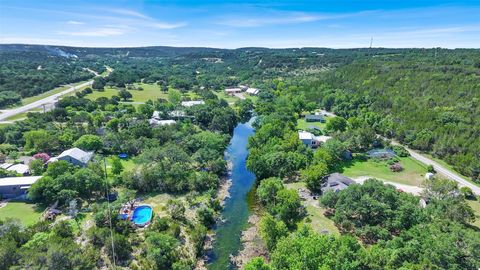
x,y
125,95
98,83
39,140
289,208
176,209
89,142
37,167
174,96
257,263
268,189
160,249
117,166
336,124
272,231
314,176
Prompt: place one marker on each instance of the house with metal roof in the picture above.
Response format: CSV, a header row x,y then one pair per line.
x,y
75,156
252,91
14,187
192,103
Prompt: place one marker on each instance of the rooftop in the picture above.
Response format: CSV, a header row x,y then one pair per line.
x,y
78,154
18,181
192,103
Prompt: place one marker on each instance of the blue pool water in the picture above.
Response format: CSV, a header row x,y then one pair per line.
x,y
142,215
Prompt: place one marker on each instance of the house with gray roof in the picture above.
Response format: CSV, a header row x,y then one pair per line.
x,y
75,156
335,182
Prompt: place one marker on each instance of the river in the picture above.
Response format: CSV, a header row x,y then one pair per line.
x,y
236,210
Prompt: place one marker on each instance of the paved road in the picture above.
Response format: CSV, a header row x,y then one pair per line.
x,y
48,100
438,167
442,170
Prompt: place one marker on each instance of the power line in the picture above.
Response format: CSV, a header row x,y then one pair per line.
x,y
109,212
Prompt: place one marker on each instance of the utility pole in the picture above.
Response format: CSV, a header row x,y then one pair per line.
x,y
109,212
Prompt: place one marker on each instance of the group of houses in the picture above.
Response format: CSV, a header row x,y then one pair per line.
x,y
158,120
312,141
17,187
241,89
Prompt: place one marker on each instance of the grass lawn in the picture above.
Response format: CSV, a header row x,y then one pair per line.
x,y
475,204
17,117
128,164
302,124
413,171
27,213
319,222
158,202
228,98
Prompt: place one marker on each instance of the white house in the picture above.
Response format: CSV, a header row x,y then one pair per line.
x,y
232,91
252,91
192,103
311,140
156,122
20,169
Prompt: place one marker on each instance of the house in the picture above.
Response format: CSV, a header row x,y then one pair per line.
x,y
314,118
192,103
75,156
177,114
311,140
155,122
14,187
17,168
335,182
20,169
252,91
232,91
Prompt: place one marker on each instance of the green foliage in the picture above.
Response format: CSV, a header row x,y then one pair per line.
x,y
117,166
160,250
267,191
314,176
36,167
257,263
272,231
89,142
288,207
336,124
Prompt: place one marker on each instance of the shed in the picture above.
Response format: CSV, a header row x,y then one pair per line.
x,y
252,91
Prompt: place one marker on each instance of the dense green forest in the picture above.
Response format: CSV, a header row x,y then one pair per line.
x,y
426,99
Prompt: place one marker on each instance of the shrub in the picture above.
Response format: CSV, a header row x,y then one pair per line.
x,y
397,167
400,151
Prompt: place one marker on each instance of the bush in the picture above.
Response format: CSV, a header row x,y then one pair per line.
x,y
431,169
397,167
467,192
400,151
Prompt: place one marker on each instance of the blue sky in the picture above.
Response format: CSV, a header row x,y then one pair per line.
x,y
234,24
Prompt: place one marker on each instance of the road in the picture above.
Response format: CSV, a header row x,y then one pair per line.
x,y
438,167
48,100
441,169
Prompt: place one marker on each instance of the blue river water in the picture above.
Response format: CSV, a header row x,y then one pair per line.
x,y
236,210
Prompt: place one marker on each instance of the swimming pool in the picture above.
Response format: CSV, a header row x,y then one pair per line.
x,y
142,215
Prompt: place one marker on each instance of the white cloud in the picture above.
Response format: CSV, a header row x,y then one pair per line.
x,y
162,25
98,32
75,22
258,21
131,13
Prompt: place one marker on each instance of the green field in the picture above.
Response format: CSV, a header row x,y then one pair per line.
x,y
475,204
304,125
27,213
149,92
228,98
413,171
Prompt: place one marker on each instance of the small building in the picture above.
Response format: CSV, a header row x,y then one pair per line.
x,y
20,169
155,122
177,114
252,91
232,91
5,165
15,187
311,140
314,118
335,182
429,175
192,103
75,156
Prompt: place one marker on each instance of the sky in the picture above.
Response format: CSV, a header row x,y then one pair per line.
x,y
235,24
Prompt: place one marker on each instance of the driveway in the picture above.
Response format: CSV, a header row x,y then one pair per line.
x,y
406,188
